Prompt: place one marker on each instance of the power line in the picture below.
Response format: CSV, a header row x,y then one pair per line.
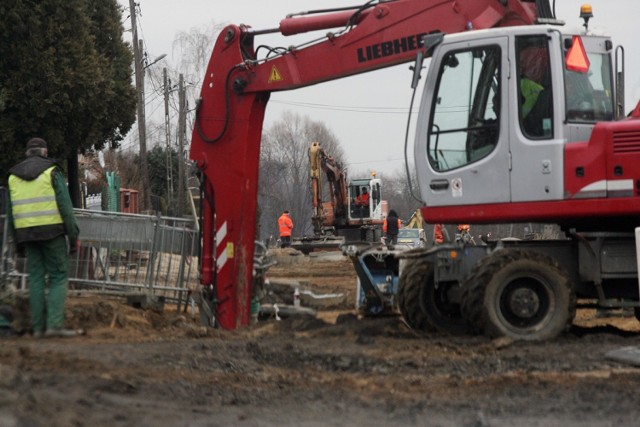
x,y
375,161
373,110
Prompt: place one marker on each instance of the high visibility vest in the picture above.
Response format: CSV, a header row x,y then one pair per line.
x,y
363,199
285,224
530,92
33,203
438,236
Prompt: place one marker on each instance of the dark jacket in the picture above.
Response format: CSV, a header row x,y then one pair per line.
x,y
391,224
29,169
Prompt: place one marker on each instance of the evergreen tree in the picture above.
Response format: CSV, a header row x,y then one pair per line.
x,y
65,75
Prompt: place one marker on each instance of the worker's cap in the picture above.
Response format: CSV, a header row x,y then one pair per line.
x,y
36,143
286,211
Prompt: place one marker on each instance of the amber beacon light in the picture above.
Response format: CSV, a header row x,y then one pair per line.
x,y
586,13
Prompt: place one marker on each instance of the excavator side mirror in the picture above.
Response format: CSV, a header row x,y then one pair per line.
x,y
430,41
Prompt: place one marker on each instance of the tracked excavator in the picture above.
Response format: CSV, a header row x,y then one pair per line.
x,y
521,120
337,217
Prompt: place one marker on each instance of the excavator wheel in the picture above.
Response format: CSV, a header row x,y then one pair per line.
x,y
442,313
372,235
409,286
521,294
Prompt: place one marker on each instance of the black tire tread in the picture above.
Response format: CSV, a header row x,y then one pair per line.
x,y
410,284
448,322
472,306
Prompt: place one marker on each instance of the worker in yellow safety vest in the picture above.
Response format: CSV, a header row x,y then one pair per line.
x,y
41,218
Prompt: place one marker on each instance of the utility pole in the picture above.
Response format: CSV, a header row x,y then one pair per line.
x,y
182,127
167,132
142,129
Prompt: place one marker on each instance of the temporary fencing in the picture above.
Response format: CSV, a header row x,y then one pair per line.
x,y
123,254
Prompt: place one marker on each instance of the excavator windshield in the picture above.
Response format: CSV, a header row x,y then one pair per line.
x,y
589,95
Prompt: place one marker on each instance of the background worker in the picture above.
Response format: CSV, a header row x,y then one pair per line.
x,y
362,202
40,215
285,225
464,234
363,198
390,228
440,234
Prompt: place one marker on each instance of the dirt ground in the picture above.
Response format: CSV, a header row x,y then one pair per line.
x,y
142,368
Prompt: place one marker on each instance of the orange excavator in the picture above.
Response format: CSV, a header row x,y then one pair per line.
x,y
339,214
343,210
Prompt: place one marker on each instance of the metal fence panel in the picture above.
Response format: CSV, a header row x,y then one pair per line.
x,y
121,231
126,253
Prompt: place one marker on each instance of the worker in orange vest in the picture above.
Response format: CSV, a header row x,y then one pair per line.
x,y
390,228
464,228
285,225
362,202
464,234
363,199
440,234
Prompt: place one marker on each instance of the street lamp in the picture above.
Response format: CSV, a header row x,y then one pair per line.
x,y
159,58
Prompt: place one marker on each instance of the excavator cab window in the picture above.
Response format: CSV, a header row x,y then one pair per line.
x,y
465,115
534,80
360,201
589,95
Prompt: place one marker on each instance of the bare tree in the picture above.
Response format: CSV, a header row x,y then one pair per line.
x,y
284,171
193,49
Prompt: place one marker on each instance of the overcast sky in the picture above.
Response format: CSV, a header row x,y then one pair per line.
x,y
368,113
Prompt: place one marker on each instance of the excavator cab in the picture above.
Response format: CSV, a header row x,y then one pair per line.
x,y
522,116
365,202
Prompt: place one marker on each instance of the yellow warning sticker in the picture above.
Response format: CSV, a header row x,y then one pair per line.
x,y
275,75
230,250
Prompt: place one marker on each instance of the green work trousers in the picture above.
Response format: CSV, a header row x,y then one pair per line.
x,y
48,257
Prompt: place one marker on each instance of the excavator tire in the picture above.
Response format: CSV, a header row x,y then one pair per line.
x,y
442,313
377,235
520,294
409,287
372,235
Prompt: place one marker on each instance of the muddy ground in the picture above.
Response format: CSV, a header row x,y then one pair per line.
x,y
142,368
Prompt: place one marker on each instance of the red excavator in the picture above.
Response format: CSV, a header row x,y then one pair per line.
x,y
520,121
